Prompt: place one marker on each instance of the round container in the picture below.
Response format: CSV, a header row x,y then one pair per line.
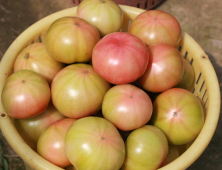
x,y
206,88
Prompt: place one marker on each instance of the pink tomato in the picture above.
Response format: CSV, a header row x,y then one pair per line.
x,y
154,27
25,94
120,58
51,143
127,107
165,69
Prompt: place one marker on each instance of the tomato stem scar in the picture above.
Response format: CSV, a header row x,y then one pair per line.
x,y
26,56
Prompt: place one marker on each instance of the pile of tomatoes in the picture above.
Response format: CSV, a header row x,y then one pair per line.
x,y
94,97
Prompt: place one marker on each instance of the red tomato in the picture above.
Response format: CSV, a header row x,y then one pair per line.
x,y
146,148
165,69
154,27
179,114
31,128
51,143
127,107
105,15
120,58
25,94
71,39
78,91
35,58
94,143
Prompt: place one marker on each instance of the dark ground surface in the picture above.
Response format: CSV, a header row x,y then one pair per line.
x,y
201,19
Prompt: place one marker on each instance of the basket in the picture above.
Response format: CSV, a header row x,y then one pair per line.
x,y
143,4
206,88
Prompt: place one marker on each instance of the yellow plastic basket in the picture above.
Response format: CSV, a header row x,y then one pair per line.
x,y
206,88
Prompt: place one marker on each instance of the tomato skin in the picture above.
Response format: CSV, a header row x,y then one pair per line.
x,y
31,128
165,69
71,39
92,138
154,27
78,91
25,94
105,15
51,143
127,107
179,114
35,58
120,58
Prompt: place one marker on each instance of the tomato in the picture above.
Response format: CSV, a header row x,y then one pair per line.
x,y
154,27
146,148
78,91
35,58
173,153
179,114
188,77
105,15
25,94
71,39
51,143
120,58
165,69
127,107
31,128
94,143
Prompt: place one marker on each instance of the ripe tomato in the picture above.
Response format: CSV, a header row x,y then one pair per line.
x,y
51,143
165,69
127,107
120,58
154,27
25,94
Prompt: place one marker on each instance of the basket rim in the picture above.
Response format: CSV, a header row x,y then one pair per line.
x,y
184,161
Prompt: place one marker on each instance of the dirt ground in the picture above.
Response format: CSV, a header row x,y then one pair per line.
x,y
201,19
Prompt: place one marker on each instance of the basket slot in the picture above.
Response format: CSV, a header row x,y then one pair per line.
x,y
191,61
185,56
198,78
142,5
204,94
201,89
201,86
